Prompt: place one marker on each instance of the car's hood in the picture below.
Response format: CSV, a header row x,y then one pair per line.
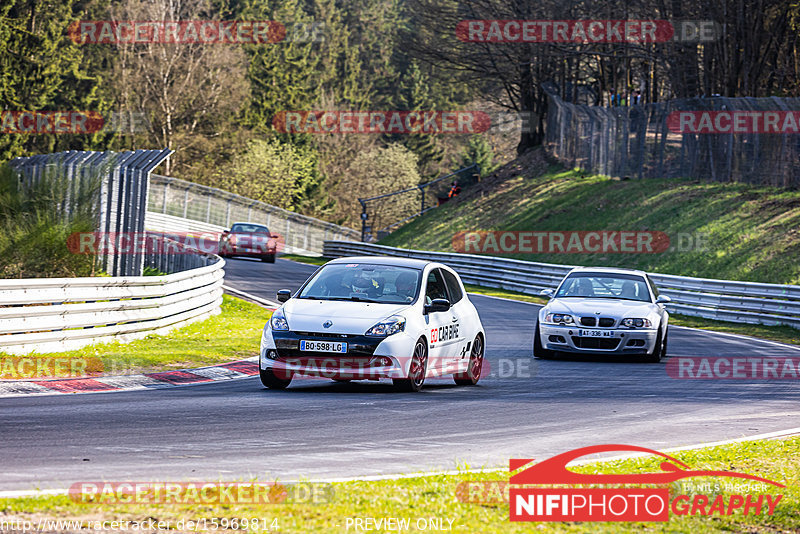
x,y
306,315
607,307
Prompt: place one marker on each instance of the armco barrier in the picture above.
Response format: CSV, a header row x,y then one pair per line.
x,y
58,314
726,300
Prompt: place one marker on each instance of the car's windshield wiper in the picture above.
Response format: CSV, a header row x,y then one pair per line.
x,y
597,297
353,299
360,299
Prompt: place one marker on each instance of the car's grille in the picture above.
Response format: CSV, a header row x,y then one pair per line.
x,y
320,334
323,359
605,322
288,345
595,343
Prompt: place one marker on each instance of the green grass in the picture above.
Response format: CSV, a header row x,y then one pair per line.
x,y
752,232
234,334
782,334
311,260
435,496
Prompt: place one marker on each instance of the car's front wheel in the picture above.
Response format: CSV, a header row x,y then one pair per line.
x,y
416,370
272,381
660,348
473,372
538,350
268,258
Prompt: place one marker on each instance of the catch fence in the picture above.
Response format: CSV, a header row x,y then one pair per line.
x,y
647,141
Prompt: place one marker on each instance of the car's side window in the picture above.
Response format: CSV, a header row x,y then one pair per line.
x,y
435,288
453,287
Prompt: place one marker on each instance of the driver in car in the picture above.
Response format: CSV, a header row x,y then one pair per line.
x,y
406,284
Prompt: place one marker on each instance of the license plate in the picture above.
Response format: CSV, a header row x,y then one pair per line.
x,y
322,346
595,333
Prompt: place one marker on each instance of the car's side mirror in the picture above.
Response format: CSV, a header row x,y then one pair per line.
x,y
663,299
546,293
274,236
284,295
437,305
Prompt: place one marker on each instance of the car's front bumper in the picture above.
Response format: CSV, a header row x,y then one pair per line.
x,y
615,341
227,250
366,357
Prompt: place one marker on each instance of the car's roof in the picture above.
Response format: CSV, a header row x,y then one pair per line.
x,y
385,260
610,270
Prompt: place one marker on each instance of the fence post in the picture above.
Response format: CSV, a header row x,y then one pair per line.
x,y
364,217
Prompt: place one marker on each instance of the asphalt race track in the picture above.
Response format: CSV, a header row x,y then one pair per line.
x,y
321,429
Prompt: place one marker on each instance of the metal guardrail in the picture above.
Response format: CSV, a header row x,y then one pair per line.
x,y
724,300
179,206
58,314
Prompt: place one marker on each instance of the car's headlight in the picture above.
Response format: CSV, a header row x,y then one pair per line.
x,y
637,323
559,318
392,325
278,321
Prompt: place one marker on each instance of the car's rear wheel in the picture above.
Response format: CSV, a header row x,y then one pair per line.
x,y
272,381
268,258
659,349
416,370
538,350
473,373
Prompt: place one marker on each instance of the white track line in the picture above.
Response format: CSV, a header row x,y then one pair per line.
x,y
259,300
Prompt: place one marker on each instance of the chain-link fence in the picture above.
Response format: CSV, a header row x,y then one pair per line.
x,y
113,183
382,214
750,140
172,201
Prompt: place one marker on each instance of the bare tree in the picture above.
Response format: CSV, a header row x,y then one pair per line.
x,y
184,89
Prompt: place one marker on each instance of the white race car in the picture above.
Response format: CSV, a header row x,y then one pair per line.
x,y
374,317
603,310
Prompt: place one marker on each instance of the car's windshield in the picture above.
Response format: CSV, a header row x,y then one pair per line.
x,y
364,282
249,229
605,285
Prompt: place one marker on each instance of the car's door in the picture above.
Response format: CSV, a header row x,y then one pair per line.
x,y
438,323
462,322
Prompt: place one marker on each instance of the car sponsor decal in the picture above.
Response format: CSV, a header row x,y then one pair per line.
x,y
444,333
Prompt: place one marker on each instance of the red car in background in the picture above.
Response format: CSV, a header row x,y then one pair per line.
x,y
249,240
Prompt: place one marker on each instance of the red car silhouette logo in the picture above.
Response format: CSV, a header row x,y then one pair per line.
x,y
554,470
